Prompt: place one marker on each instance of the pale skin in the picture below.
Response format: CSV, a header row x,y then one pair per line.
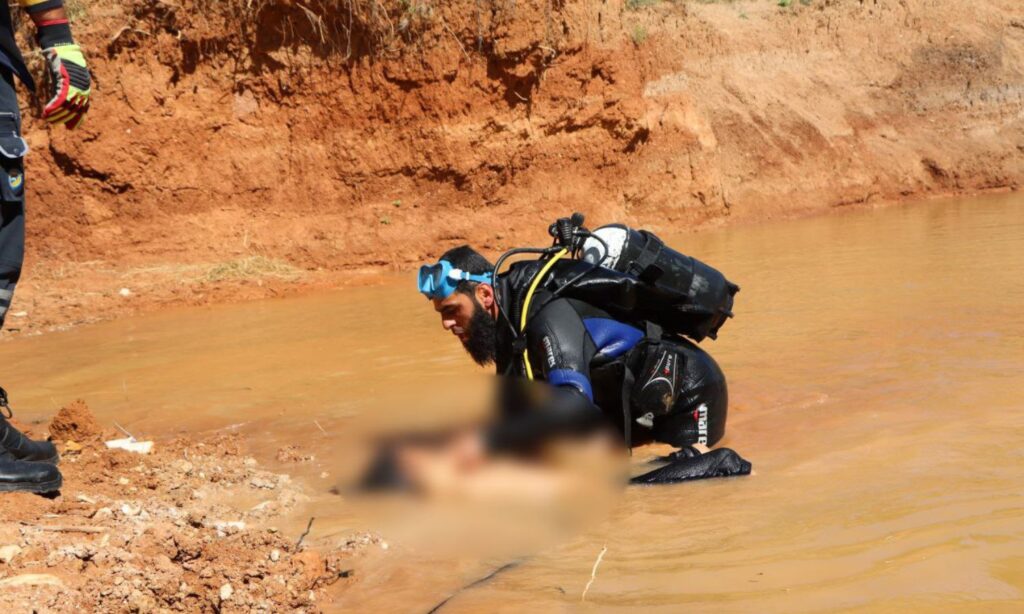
x,y
433,470
457,310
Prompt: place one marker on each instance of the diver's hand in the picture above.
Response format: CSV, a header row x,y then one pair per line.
x,y
71,83
468,450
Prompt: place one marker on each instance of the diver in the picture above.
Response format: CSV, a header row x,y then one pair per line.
x,y
598,333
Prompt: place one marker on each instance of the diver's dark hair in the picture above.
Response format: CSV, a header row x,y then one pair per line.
x,y
469,260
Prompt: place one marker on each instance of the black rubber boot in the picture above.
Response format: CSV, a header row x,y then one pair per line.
x,y
18,475
19,447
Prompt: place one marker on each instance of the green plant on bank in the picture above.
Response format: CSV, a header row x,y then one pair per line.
x,y
639,34
349,28
414,13
76,10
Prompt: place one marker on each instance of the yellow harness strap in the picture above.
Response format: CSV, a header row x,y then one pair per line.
x,y
529,297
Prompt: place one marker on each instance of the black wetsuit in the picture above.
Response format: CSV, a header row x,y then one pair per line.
x,y
650,386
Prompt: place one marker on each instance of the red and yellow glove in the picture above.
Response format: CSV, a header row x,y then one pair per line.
x,y
69,76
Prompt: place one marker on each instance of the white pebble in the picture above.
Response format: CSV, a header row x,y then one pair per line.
x,y
7,553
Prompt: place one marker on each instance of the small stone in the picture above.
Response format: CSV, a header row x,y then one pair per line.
x,y
262,483
85,499
323,474
118,580
250,462
31,579
227,527
275,555
128,510
125,292
262,505
104,513
123,481
7,553
226,591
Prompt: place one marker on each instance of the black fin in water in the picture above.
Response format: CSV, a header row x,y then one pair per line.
x,y
719,463
680,454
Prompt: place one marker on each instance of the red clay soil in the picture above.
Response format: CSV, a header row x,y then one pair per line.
x,y
76,423
225,131
165,531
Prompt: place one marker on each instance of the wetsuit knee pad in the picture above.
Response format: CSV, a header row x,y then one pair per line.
x,y
698,414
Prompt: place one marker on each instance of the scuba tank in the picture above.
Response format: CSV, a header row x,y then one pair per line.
x,y
679,293
629,273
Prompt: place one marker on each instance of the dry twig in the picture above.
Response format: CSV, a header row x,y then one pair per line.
x,y
64,529
309,526
593,572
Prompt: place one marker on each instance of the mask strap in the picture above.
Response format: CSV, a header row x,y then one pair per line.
x,y
459,274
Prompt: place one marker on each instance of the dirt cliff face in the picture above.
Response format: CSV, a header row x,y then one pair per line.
x,y
340,134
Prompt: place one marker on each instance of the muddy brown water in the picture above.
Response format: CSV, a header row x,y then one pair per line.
x,y
875,371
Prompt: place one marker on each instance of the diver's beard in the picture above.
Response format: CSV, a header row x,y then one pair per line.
x,y
481,337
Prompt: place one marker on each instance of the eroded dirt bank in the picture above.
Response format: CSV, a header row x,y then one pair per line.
x,y
240,149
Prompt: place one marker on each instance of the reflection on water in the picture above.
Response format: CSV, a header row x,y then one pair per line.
x,y
874,368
